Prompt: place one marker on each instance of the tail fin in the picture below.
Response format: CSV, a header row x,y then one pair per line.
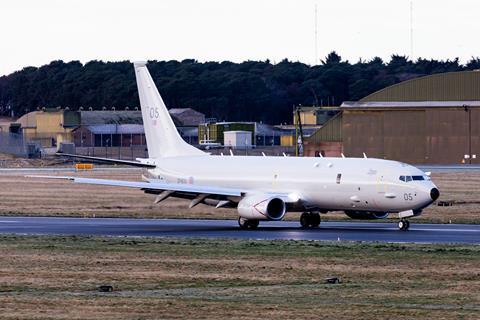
x,y
162,136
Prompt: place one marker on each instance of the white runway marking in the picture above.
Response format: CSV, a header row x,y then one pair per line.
x,y
447,230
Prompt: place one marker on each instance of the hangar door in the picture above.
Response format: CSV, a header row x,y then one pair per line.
x,y
447,135
404,135
363,132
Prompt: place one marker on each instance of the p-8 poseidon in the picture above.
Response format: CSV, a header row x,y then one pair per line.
x,y
266,188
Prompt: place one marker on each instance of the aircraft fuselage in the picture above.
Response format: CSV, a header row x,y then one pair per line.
x,y
356,184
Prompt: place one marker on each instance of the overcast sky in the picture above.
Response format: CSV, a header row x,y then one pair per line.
x,y
35,32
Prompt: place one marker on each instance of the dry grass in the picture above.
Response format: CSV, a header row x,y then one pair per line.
x,y
22,196
27,196
56,278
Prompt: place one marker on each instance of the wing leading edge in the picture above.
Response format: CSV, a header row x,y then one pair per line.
x,y
153,186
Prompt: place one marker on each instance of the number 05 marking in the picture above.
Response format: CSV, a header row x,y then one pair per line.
x,y
154,114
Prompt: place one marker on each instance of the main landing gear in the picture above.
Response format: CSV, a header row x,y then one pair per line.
x,y
310,220
247,223
404,225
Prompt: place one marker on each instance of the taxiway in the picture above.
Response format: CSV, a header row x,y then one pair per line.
x,y
283,230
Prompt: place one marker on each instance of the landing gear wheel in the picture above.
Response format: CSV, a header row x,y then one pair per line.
x,y
247,224
305,220
243,223
403,225
310,220
315,220
254,224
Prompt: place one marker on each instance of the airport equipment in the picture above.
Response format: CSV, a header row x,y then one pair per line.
x,y
238,139
84,166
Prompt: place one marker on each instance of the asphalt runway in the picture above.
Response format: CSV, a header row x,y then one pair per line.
x,y
285,230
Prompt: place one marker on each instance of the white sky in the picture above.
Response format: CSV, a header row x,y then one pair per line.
x,y
34,32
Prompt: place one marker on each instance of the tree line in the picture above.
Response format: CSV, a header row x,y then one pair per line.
x,y
247,91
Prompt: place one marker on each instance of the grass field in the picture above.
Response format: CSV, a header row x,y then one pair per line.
x,y
57,278
22,196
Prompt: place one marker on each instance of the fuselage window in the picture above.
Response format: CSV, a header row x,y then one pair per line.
x,y
339,177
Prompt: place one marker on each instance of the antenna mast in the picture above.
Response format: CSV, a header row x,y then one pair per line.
x,y
316,39
411,30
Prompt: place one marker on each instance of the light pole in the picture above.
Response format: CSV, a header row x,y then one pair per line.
x,y
469,114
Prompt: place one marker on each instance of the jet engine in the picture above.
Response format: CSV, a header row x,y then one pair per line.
x,y
261,207
366,215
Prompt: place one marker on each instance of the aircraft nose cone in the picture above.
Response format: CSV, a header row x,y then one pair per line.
x,y
434,194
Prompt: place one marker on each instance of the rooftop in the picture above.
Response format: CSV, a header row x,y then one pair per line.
x,y
408,104
116,129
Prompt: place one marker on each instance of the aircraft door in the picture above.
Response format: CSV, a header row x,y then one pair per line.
x,y
382,187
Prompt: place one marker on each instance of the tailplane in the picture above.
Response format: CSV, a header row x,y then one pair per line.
x,y
163,139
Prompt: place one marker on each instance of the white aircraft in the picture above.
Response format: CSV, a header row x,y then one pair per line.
x,y
266,188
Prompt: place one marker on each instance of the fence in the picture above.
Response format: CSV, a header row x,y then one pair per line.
x,y
125,153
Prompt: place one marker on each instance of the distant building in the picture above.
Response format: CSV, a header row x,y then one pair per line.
x,y
99,128
314,116
109,135
238,139
326,141
49,127
187,116
5,124
261,134
428,120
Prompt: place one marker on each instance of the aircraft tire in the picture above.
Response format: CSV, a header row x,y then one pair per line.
x,y
243,223
315,220
305,220
253,224
246,224
403,225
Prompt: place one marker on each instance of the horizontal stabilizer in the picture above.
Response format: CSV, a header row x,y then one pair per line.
x,y
107,160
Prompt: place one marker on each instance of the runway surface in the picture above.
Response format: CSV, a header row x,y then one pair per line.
x,y
286,230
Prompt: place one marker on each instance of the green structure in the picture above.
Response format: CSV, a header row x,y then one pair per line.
x,y
451,86
213,132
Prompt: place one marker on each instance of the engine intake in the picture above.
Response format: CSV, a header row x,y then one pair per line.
x,y
262,207
366,215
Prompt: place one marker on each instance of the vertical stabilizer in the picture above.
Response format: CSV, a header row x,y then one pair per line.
x,y
163,139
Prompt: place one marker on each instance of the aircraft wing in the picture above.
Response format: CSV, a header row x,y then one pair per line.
x,y
152,186
164,190
108,160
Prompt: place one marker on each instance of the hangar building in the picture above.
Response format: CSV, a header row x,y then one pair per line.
x,y
428,120
104,128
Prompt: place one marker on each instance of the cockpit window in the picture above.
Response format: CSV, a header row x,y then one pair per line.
x,y
413,178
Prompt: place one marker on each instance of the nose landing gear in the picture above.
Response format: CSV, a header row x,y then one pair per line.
x,y
247,223
403,225
310,220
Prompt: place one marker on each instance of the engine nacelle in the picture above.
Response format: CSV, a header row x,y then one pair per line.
x,y
366,215
262,207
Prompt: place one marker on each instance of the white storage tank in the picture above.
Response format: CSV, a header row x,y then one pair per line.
x,y
238,139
